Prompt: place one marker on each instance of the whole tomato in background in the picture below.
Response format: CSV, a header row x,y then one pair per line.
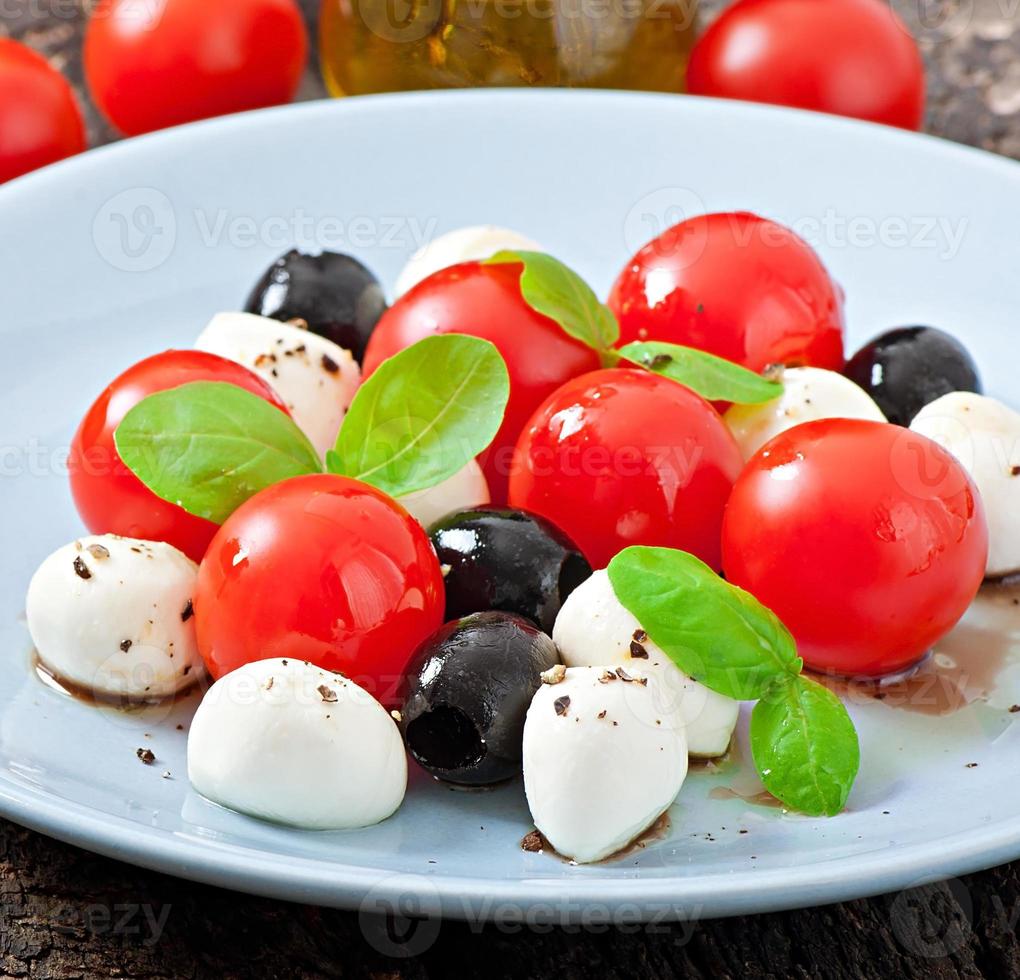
x,y
320,568
40,121
849,57
866,539
736,285
163,62
485,301
109,497
623,456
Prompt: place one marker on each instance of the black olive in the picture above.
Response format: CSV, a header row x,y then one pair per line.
x,y
909,367
467,691
334,294
509,560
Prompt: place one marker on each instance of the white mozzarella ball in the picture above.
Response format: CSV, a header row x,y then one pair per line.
x,y
593,627
984,435
808,394
315,378
462,245
467,488
287,741
602,760
113,616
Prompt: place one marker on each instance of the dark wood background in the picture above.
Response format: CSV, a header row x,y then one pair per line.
x,y
67,913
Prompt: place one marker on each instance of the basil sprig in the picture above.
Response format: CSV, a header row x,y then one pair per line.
x,y
805,746
208,446
425,413
803,742
556,291
713,631
712,377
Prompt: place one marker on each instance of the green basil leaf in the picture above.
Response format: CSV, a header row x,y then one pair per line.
x,y
208,446
712,377
714,632
805,746
423,414
552,289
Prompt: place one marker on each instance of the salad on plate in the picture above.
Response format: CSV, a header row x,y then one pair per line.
x,y
514,532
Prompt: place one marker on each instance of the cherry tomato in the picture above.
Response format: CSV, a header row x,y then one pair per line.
x,y
320,568
735,285
164,62
485,301
866,539
40,121
109,497
622,456
851,57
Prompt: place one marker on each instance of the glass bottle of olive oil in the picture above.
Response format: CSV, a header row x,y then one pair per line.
x,y
396,45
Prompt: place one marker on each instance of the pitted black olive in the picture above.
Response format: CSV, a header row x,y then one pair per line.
x,y
509,560
905,369
467,691
334,294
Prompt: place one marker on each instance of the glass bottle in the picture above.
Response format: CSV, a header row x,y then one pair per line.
x,y
397,45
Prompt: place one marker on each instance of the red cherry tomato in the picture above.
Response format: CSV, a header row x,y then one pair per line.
x,y
866,539
735,285
109,497
621,457
164,62
485,301
851,57
325,569
40,121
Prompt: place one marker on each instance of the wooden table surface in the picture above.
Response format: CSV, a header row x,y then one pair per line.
x,y
68,913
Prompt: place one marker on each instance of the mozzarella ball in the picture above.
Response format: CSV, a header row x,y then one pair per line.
x,y
314,377
594,628
286,741
113,616
602,760
467,488
808,393
462,245
984,435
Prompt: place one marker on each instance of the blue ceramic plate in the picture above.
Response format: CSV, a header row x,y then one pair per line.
x,y
129,250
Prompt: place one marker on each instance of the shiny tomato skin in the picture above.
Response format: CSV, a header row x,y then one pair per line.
x,y
40,121
620,457
849,57
109,497
736,285
320,568
866,539
165,62
485,301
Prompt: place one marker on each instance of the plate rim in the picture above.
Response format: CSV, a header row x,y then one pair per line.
x,y
387,101
378,890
